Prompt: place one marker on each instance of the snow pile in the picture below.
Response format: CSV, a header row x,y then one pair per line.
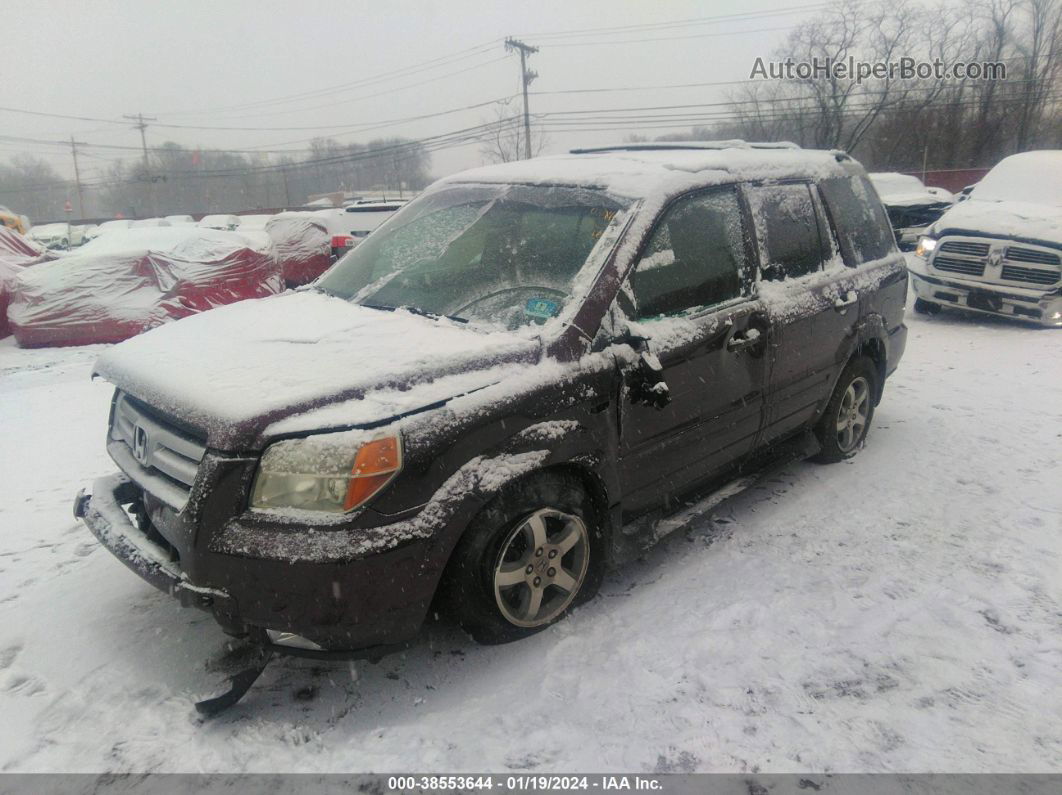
x,y
303,244
128,281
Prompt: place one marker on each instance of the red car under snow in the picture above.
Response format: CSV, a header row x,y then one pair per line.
x,y
126,282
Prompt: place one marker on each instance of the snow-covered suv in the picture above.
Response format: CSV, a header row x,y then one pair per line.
x,y
1000,251
501,390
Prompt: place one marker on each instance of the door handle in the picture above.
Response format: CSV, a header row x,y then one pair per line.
x,y
842,304
749,339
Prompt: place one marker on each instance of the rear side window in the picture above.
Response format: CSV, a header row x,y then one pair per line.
x,y
859,220
788,231
695,257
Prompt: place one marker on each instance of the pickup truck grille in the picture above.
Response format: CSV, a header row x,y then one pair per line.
x,y
993,262
158,456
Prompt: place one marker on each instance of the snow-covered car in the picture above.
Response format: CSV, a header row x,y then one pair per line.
x,y
227,222
16,253
55,236
83,233
255,221
123,283
109,226
149,223
180,220
303,245
501,391
910,204
1000,251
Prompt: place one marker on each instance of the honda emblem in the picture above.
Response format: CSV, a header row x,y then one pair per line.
x,y
140,444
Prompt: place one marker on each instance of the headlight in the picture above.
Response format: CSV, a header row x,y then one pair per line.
x,y
333,472
925,246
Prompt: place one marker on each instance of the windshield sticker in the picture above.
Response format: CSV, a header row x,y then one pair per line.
x,y
541,307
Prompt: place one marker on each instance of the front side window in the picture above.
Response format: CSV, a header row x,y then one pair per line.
x,y
695,257
497,254
788,231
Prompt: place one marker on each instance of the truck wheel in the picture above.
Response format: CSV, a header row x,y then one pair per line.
x,y
526,559
924,307
846,421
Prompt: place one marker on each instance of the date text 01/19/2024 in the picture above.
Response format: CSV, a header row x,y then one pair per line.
x,y
538,783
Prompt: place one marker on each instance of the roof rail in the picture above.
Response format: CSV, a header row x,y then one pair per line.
x,y
652,146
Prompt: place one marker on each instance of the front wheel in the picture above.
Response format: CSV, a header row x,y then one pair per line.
x,y
531,555
846,421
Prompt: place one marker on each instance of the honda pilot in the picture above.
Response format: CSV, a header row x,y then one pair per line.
x,y
501,392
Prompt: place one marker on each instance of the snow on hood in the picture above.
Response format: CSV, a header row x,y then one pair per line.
x,y
1005,218
235,371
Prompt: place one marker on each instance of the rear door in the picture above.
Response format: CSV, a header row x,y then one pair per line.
x,y
692,290
810,298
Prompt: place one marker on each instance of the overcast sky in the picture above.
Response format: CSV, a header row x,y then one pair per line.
x,y
251,63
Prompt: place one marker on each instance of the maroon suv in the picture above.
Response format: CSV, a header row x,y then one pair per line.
x,y
497,394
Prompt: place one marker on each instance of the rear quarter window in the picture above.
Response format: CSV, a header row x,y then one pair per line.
x,y
858,218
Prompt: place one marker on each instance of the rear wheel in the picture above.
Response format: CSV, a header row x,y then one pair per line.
x,y
924,307
531,555
846,421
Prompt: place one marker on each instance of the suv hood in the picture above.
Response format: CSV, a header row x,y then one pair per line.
x,y
1023,220
232,372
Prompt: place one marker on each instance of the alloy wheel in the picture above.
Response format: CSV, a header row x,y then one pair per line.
x,y
541,567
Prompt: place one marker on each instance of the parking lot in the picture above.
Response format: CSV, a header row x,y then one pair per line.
x,y
900,611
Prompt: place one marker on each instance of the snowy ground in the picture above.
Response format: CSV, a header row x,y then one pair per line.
x,y
899,612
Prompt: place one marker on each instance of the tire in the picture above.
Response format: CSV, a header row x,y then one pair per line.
x,y
846,420
924,307
491,581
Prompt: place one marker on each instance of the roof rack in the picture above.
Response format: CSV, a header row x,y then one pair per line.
x,y
652,146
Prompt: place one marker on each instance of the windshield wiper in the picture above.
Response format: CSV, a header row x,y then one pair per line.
x,y
416,310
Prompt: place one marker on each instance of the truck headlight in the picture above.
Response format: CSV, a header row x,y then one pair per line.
x,y
334,472
925,246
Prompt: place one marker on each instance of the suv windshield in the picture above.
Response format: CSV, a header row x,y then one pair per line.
x,y
504,254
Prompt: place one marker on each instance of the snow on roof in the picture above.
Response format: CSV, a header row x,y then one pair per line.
x,y
638,172
1034,177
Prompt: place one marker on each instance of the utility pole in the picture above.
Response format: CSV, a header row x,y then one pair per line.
x,y
140,120
141,125
77,177
526,76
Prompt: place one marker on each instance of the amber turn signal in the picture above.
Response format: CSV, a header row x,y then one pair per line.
x,y
375,465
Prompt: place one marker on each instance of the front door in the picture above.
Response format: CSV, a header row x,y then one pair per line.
x,y
692,295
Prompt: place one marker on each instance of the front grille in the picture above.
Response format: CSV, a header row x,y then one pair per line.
x,y
163,459
1019,254
1030,275
956,265
967,248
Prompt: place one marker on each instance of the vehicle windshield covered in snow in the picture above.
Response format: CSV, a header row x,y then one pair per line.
x,y
500,254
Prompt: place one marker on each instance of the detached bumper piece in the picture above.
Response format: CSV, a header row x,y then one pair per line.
x,y
105,515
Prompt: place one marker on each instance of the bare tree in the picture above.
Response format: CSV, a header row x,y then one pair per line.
x,y
503,143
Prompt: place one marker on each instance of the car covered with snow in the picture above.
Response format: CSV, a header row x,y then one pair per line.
x,y
228,222
55,236
303,244
910,204
108,226
352,223
16,253
129,281
503,390
1000,251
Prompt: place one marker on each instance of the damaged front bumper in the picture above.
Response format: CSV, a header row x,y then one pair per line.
x,y
1028,305
333,610
106,517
